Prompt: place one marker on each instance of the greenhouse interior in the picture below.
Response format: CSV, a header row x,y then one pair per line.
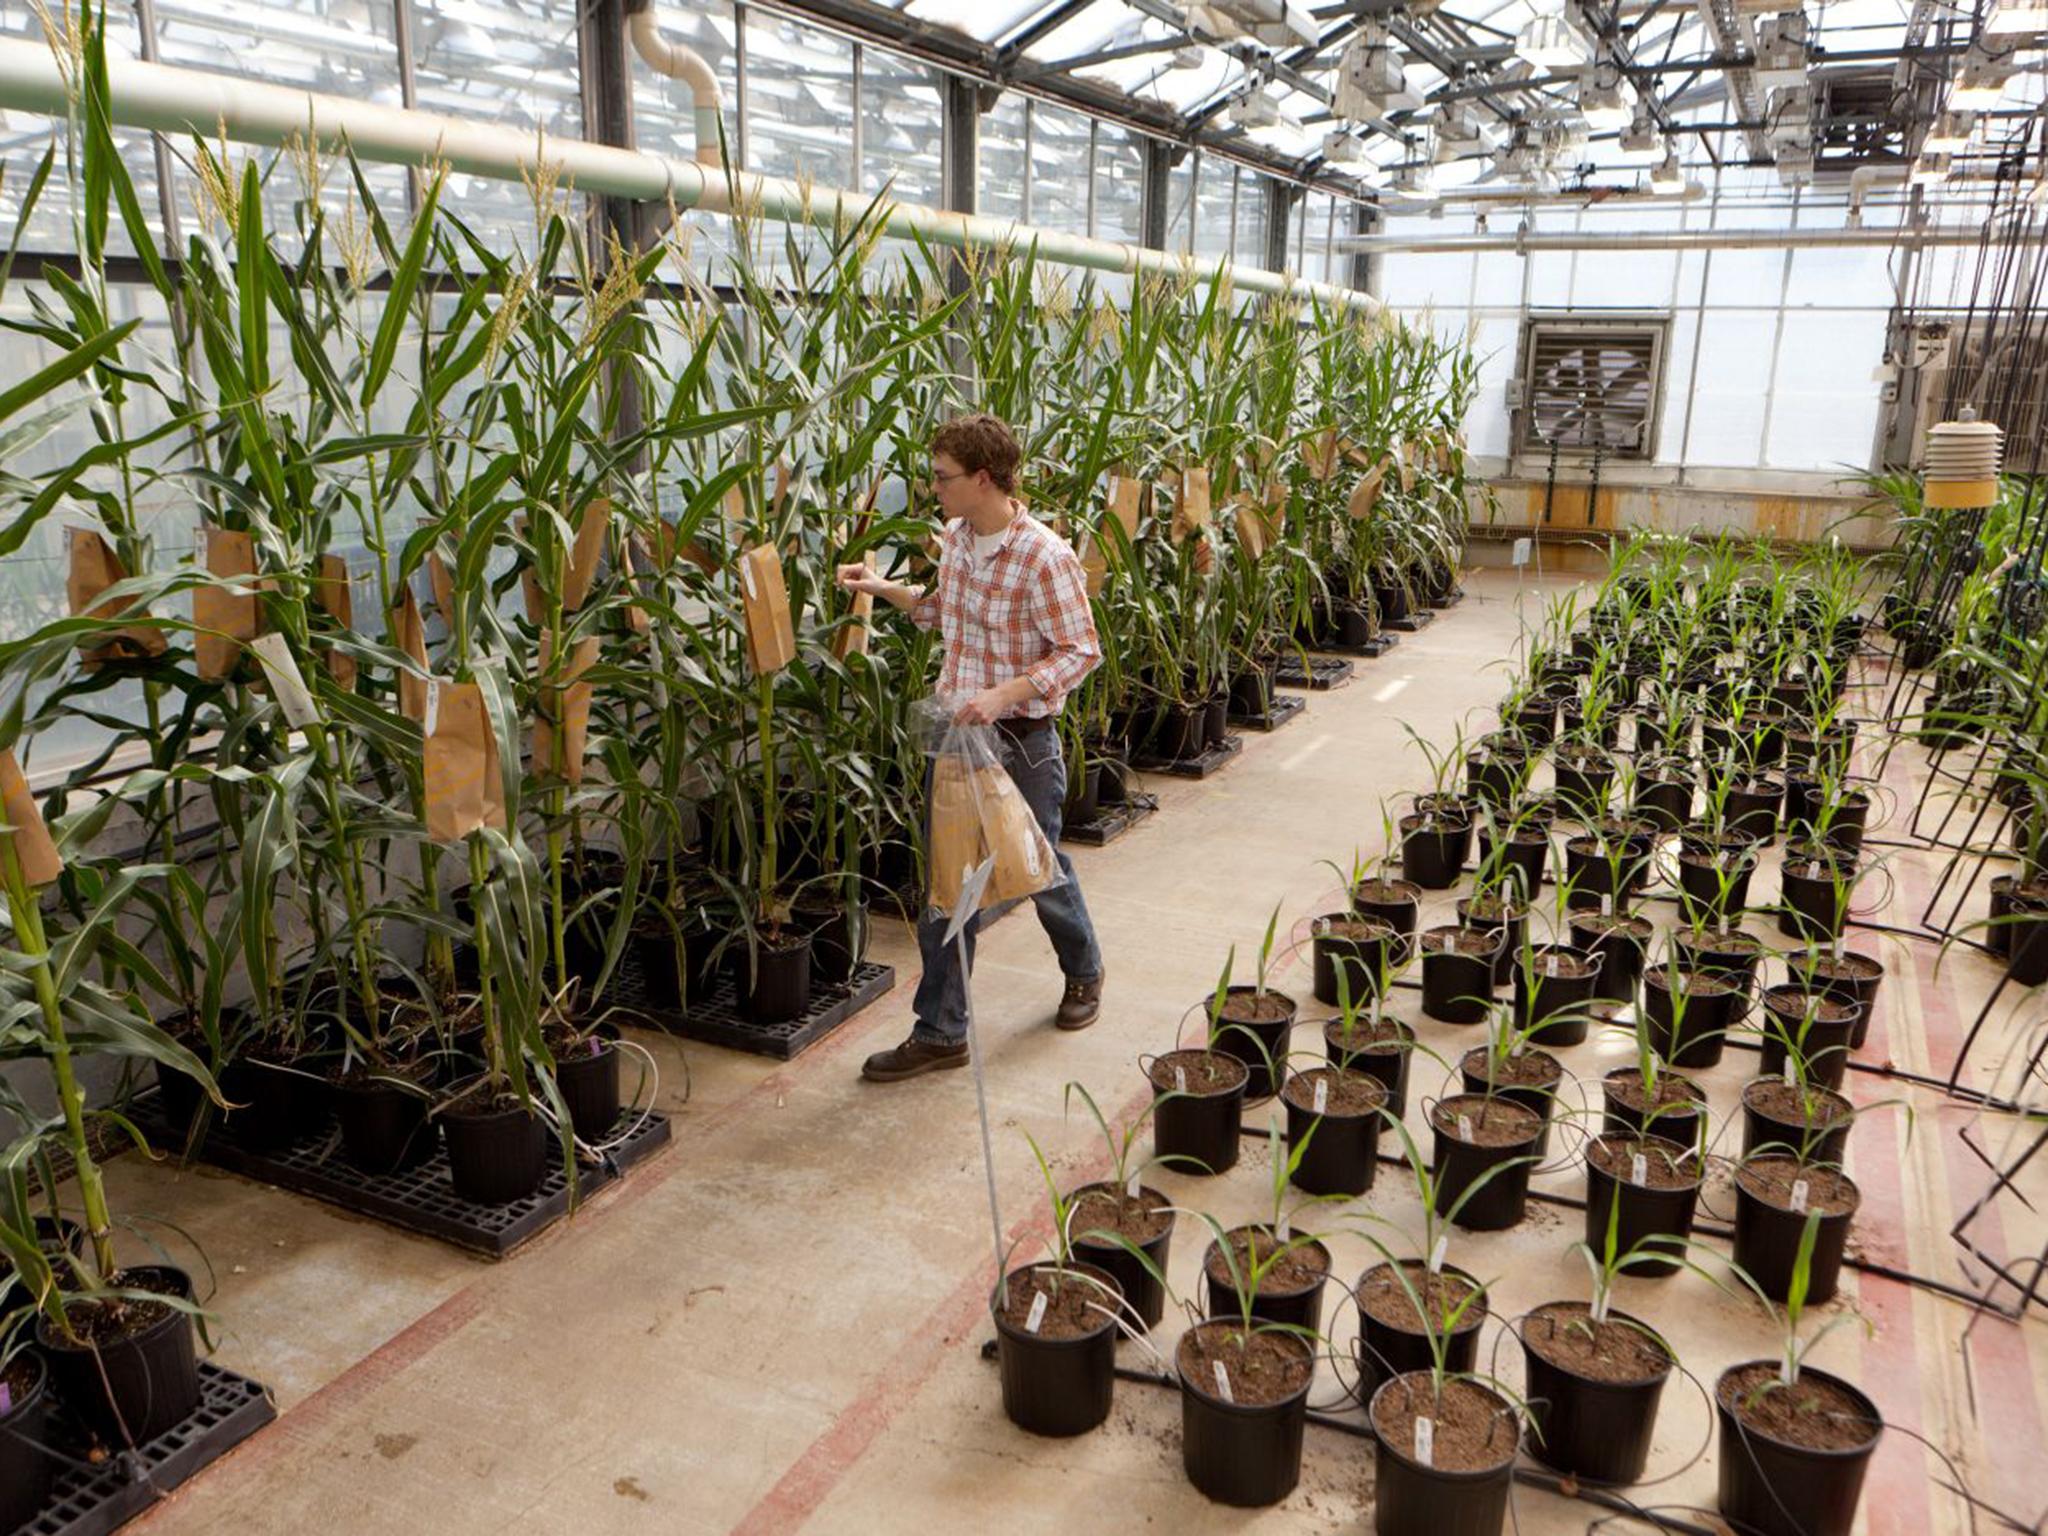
x,y
1476,565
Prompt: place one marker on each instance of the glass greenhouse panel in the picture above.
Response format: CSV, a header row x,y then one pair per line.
x,y
1061,168
344,48
1214,182
799,101
1733,389
999,188
1254,195
1824,405
900,129
1180,204
1119,177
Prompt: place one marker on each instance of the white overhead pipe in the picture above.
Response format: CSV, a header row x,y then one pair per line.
x,y
169,100
679,62
1525,242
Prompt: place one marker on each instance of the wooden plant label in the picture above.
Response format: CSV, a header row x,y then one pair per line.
x,y
33,846
91,568
223,619
287,684
1464,1127
771,636
1036,1320
332,592
1223,1382
1133,1187
464,782
1425,1442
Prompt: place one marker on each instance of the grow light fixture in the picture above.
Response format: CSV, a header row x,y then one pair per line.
x,y
2016,18
1781,53
1552,42
1668,177
1641,143
1951,132
1928,169
1980,83
1459,132
1256,110
1372,78
1273,23
1187,56
1344,149
1602,102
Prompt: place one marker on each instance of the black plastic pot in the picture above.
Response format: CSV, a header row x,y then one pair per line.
x,y
1360,958
1526,860
1997,936
1823,1044
2027,929
1251,691
1460,1165
1351,625
1301,1308
1771,1488
1246,1455
1494,778
273,1106
1261,1044
1767,1244
1752,810
26,1471
1701,898
385,1128
1645,1213
1804,801
1510,929
1456,987
131,1390
1343,1150
1620,951
1058,1387
495,1156
839,937
1810,909
1144,1293
1539,1099
1590,875
1553,1008
1084,796
1410,1499
1216,720
588,1081
1176,732
1686,1126
1385,1351
1396,906
772,982
1599,1431
1698,1038
1434,851
1760,1129
1385,1060
659,961
1859,987
1582,787
1199,1130
1666,802
1535,721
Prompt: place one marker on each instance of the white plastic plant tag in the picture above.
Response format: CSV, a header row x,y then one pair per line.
x,y
1223,1382
1607,904
1523,549
1786,1375
1436,1254
287,684
1037,1318
1132,1187
433,710
1838,948
1553,966
1322,1094
1180,1079
1425,1442
1800,1192
1639,1169
1464,1127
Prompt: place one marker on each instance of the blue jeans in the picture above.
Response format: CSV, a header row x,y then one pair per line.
x,y
1039,769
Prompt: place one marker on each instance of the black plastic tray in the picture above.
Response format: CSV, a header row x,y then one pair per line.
x,y
1280,709
716,1020
1323,672
420,1199
1378,645
1450,599
1198,767
1111,821
88,1500
1409,623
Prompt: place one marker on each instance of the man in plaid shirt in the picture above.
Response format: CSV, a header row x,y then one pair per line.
x,y
1012,605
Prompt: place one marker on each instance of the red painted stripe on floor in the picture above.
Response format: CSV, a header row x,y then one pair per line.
x,y
824,1463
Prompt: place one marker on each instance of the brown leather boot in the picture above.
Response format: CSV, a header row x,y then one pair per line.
x,y
1081,1003
913,1058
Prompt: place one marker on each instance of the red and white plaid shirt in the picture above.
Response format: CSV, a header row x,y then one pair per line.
x,y
1023,612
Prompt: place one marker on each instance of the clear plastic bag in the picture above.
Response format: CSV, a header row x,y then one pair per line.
x,y
977,812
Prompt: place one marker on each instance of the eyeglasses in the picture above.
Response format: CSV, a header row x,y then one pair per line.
x,y
936,479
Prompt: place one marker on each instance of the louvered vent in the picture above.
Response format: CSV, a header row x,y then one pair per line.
x,y
1589,385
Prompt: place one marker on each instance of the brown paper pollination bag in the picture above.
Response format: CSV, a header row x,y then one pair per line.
x,y
1190,503
224,620
853,639
444,588
337,600
976,812
579,572
1321,455
1366,494
409,634
1127,503
92,567
464,782
33,846
1259,523
956,841
563,709
771,636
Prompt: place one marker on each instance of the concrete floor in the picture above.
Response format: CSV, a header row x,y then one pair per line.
x,y
776,1324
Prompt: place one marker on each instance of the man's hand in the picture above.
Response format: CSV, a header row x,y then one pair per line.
x,y
864,578
991,704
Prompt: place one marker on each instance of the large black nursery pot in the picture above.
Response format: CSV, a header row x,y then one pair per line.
x,y
1694,1034
26,1470
1582,780
1751,808
272,1104
772,982
1474,1138
497,1153
1816,887
1417,1497
385,1126
1494,774
1337,1113
1395,903
839,934
1771,1485
1381,1051
1457,972
1703,866
1817,1025
1391,1346
1852,977
133,1388
1814,1123
1199,1127
1526,859
1508,918
2026,930
1534,1080
1597,877
1295,1301
1681,1111
587,1077
1620,943
1245,1454
1359,947
1595,1428
1434,849
1254,1028
1553,1002
1059,1379
1657,1186
1664,793
1773,1196
1143,1292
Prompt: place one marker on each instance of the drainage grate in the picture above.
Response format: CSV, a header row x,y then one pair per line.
x,y
1197,767
716,1019
1323,672
420,1199
1280,709
93,1500
1111,821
